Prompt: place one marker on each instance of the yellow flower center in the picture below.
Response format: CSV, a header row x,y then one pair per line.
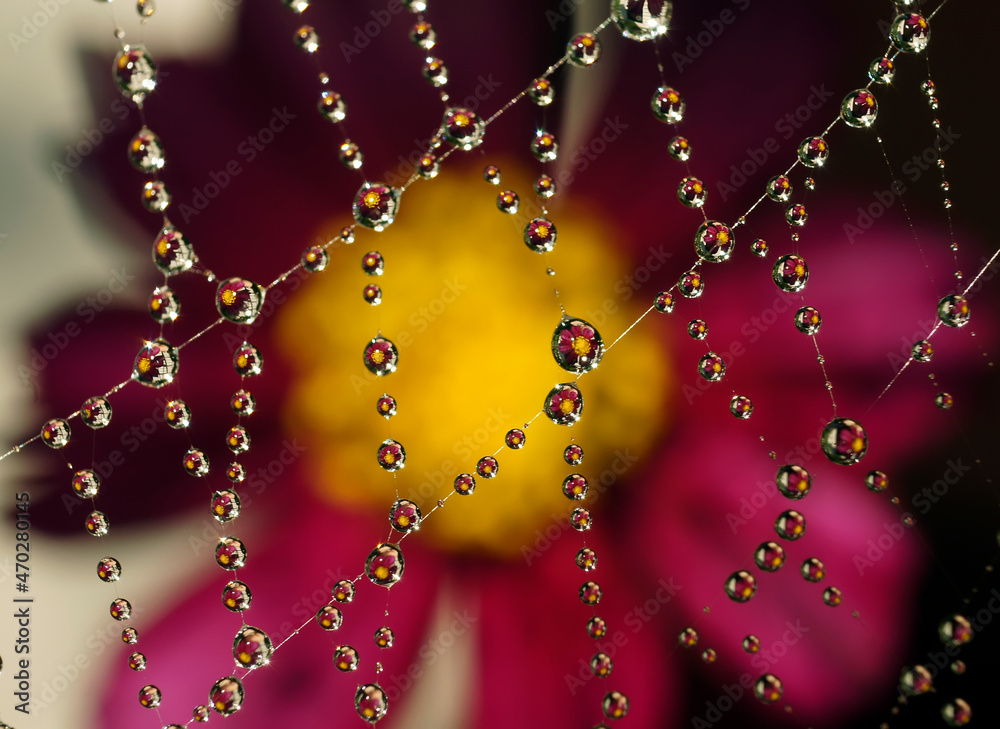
x,y
542,231
144,365
800,269
587,41
372,199
382,572
163,247
378,356
241,360
858,444
581,346
722,237
462,120
403,520
245,657
389,458
438,379
566,406
228,297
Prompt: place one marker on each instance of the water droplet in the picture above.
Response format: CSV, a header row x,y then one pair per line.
x,y
910,32
381,357
307,39
332,106
876,481
55,433
741,586
96,523
345,658
882,71
145,151
759,247
586,559
515,439
487,467
135,73
641,21
121,609
508,202
544,146
329,617
768,688
109,569
691,284
150,696
137,661
252,647
711,367
156,364
790,273
231,553
465,484
573,455
664,302
680,149
944,400
714,241
163,305
793,481
956,713
239,300
796,215
832,596
540,235
350,155
953,310
615,705
236,596
177,414
808,320
741,407
668,105
391,455
583,50
195,462
915,680
576,345
492,174
859,109
384,637
225,506
590,593
955,630
371,702
751,644
779,188
790,525
375,205
596,627
226,696
404,516
385,565
688,637
564,404
813,570
813,151
580,519
844,441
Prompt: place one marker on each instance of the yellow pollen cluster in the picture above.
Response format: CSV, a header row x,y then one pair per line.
x,y
581,346
722,237
566,406
372,199
378,356
228,297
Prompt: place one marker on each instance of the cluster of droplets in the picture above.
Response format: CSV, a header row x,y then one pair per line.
x,y
576,346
